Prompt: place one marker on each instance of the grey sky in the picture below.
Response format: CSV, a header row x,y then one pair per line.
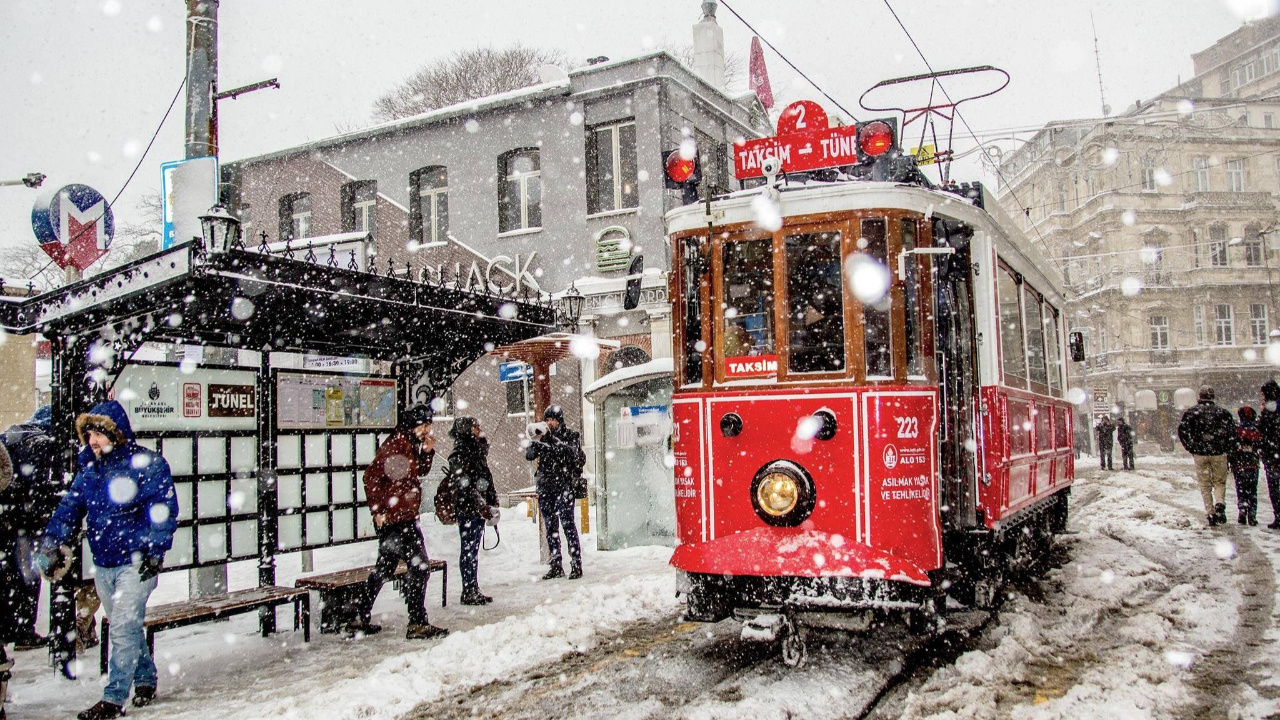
x,y
85,82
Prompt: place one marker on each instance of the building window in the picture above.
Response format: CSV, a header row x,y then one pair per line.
x,y
295,216
1218,246
359,206
1148,179
1012,345
1159,332
520,193
1223,325
714,158
1258,323
429,204
1250,72
1268,120
245,213
517,400
1235,175
1200,174
611,168
1199,323
1253,252
1236,77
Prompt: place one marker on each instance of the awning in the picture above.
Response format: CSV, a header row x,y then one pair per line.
x,y
1145,400
621,378
1184,398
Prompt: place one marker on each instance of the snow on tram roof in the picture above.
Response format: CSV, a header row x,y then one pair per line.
x,y
815,197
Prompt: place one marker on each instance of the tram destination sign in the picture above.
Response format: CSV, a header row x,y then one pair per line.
x,y
797,152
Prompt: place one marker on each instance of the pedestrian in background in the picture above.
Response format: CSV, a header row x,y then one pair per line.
x,y
476,501
560,460
1208,432
1269,447
25,508
1243,460
393,489
125,493
1124,436
1106,434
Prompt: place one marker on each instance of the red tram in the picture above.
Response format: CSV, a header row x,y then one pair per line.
x,y
869,409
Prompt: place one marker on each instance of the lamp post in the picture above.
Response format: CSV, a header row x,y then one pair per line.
x,y
221,230
570,309
31,180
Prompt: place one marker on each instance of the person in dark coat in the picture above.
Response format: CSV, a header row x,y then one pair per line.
x,y
1106,434
1243,460
124,493
25,508
476,501
393,490
559,455
1124,436
1208,432
1269,446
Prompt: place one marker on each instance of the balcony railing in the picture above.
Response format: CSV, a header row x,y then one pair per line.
x,y
1164,356
1234,199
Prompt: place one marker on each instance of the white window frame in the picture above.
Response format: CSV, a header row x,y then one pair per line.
x,y
1268,120
1235,175
300,222
522,178
1200,174
1224,325
429,208
1159,332
1199,325
1253,250
1218,247
615,147
1148,179
1258,323
364,214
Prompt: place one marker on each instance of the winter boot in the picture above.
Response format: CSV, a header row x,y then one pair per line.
x,y
1213,519
102,711
1243,519
1221,511
1274,524
575,572
475,597
30,640
360,628
424,632
556,571
143,696
1253,520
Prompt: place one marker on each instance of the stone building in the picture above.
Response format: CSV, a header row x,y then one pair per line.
x,y
543,188
1163,220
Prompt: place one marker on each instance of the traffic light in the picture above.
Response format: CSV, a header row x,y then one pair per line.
x,y
683,173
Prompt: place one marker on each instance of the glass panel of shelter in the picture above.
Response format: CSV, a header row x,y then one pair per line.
x,y
320,495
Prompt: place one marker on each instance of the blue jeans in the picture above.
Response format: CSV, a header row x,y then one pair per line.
x,y
124,597
557,510
471,531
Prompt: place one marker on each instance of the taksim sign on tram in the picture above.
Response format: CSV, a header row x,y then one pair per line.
x,y
74,225
805,142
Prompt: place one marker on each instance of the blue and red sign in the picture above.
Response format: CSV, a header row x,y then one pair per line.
x,y
74,225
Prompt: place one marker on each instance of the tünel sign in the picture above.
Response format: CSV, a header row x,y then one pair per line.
x,y
232,400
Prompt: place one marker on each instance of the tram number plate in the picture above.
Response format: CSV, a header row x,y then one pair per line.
x,y
908,427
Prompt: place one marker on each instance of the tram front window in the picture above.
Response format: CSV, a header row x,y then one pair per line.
x,y
815,303
748,298
876,319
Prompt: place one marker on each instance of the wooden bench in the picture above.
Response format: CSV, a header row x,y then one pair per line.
x,y
338,589
198,610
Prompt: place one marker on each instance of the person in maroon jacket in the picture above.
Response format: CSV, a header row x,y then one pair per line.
x,y
393,491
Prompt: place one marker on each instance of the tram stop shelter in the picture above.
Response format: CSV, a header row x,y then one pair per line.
x,y
196,293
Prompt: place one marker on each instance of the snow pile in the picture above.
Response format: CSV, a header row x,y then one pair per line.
x,y
1146,596
487,653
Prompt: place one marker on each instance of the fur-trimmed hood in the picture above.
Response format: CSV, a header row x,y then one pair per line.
x,y
110,419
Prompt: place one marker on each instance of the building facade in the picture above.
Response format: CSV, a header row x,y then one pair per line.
x,y
1163,222
535,190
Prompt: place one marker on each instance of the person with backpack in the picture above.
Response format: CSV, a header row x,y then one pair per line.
x,y
1208,432
475,500
393,490
25,508
1243,460
560,462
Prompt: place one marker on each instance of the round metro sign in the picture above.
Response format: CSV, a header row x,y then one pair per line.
x,y
74,225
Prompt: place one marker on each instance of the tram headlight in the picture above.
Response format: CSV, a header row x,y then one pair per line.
x,y
783,494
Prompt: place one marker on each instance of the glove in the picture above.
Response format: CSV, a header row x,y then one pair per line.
x,y
494,514
46,561
151,566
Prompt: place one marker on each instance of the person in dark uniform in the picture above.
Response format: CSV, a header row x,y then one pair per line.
x,y
559,455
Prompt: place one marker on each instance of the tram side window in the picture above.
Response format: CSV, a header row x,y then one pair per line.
x,y
876,319
914,309
815,303
1011,345
1033,320
692,320
748,298
1051,320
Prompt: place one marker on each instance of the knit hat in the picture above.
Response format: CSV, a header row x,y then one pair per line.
x,y
42,417
1206,393
1246,413
1271,390
416,415
462,427
553,412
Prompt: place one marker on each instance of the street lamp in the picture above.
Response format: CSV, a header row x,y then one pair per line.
x,y
31,180
221,229
571,303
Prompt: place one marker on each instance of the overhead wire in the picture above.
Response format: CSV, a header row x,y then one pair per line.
x,y
778,52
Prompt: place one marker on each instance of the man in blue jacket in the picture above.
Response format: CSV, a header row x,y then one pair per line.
x,y
126,493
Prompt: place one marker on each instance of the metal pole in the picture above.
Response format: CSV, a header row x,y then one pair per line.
x,y
68,398
268,490
202,78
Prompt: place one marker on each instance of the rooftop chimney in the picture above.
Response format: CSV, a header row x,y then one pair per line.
x,y
708,47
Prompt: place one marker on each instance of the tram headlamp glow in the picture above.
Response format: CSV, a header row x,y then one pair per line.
x,y
777,494
783,494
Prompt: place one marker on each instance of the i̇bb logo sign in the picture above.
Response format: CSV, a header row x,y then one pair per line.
x,y
890,457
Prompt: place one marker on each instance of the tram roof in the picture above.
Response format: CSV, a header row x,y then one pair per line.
x,y
815,197
246,299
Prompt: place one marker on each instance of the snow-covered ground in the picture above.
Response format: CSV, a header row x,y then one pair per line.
x,y
1148,614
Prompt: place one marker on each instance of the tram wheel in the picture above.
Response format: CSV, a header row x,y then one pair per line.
x,y
794,650
931,619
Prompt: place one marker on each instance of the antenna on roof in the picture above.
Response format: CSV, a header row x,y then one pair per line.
x,y
1106,109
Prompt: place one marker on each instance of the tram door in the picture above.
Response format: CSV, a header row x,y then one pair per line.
x,y
958,381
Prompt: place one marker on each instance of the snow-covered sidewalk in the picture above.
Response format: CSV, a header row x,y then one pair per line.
x,y
226,669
